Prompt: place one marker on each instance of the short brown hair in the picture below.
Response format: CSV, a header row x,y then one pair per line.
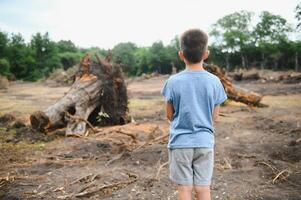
x,y
193,44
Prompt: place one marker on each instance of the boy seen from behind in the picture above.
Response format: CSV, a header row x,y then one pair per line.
x,y
192,98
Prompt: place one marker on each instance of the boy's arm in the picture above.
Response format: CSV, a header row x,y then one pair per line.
x,y
169,111
215,113
220,96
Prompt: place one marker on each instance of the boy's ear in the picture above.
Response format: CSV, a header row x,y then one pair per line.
x,y
181,55
206,55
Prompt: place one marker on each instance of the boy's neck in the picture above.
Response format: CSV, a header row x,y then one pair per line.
x,y
195,66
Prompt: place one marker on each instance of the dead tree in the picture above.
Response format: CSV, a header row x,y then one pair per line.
x,y
97,96
251,98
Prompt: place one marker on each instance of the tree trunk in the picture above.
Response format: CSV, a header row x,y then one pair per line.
x,y
227,63
251,98
275,65
296,62
173,68
243,61
97,96
263,61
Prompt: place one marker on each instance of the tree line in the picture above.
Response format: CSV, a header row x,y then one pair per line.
x,y
237,43
36,59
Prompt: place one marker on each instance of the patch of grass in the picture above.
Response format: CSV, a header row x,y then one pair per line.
x,y
227,102
282,101
12,132
3,134
143,108
22,146
40,146
145,103
9,105
7,133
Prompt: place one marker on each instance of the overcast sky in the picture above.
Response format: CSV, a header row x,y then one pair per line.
x,y
106,23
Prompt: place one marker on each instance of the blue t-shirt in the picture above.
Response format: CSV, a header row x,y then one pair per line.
x,y
193,94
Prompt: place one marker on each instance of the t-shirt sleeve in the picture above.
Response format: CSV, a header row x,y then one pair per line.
x,y
220,94
167,92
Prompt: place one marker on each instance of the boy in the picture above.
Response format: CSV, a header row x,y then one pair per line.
x,y
193,97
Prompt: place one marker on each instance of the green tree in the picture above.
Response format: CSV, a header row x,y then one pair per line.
x,y
270,31
216,55
232,34
69,54
45,53
172,53
297,49
16,52
142,56
66,46
69,59
159,59
4,67
271,28
124,53
3,44
22,64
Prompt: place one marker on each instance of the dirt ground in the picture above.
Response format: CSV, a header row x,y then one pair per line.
x,y
255,157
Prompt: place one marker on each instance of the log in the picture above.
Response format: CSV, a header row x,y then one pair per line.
x,y
246,77
290,79
252,98
98,96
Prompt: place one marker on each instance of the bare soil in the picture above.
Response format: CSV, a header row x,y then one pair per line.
x,y
255,157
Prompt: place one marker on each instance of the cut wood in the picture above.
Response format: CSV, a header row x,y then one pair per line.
x,y
109,188
251,98
97,97
157,177
242,76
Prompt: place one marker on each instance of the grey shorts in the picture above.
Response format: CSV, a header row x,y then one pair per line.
x,y
191,166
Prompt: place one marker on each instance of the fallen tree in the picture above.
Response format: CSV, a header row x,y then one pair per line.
x,y
98,96
251,98
246,77
290,79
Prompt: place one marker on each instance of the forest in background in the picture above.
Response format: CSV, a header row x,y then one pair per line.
x,y
237,43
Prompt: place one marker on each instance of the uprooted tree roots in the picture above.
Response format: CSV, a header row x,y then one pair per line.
x,y
97,97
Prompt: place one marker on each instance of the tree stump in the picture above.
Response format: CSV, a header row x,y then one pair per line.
x,y
98,96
